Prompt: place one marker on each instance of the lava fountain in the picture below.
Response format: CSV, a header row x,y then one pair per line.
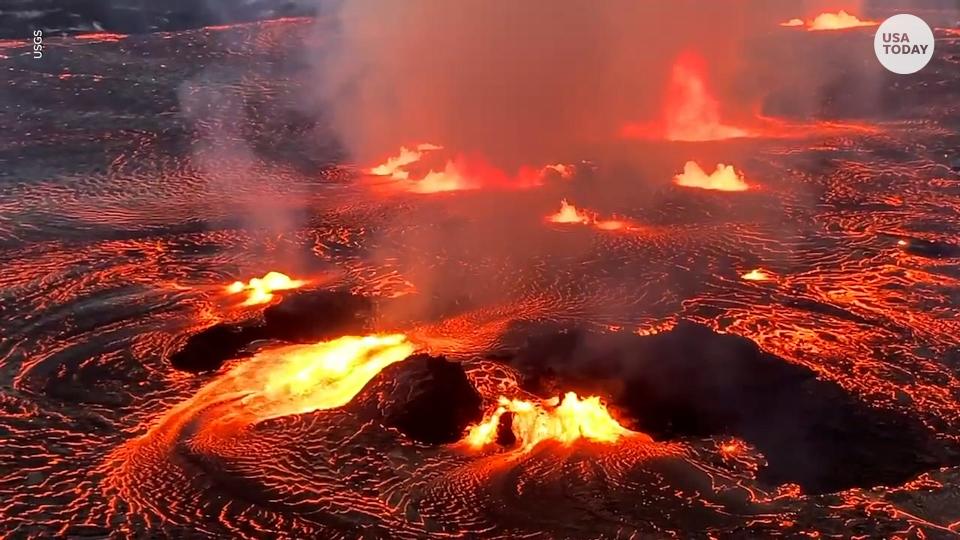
x,y
724,178
461,172
840,20
395,166
260,290
690,111
757,274
552,419
570,214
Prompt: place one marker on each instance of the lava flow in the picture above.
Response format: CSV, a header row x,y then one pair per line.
x,y
395,166
301,378
260,290
293,379
552,419
840,20
691,112
462,172
724,178
569,213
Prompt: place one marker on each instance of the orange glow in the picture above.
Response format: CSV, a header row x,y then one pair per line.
x,y
301,378
757,274
690,113
730,448
101,36
725,178
463,172
260,290
571,419
569,213
395,166
610,225
564,171
451,178
289,380
840,20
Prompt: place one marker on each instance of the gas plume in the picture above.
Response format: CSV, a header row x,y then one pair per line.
x,y
521,83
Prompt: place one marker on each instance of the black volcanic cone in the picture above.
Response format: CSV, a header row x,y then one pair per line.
x,y
431,400
303,317
692,381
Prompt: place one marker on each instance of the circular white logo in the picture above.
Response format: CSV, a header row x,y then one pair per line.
x,y
904,44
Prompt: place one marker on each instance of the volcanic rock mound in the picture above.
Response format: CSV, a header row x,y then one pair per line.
x,y
300,318
694,382
431,400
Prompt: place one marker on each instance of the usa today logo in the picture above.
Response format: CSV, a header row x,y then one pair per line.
x,y
904,44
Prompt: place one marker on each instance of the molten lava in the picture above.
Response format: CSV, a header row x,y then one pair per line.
x,y
569,213
284,381
260,290
462,172
725,178
532,423
757,274
691,113
395,166
840,20
301,378
562,170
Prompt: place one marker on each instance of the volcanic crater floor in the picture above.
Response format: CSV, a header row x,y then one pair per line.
x,y
822,401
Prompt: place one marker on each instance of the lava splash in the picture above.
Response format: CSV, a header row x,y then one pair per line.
x,y
462,172
841,20
724,178
260,290
565,421
570,214
690,110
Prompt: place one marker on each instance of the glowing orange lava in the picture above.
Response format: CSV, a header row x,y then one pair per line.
x,y
301,378
573,418
564,171
569,213
260,290
691,113
101,36
395,166
730,448
725,178
289,380
462,172
757,274
840,20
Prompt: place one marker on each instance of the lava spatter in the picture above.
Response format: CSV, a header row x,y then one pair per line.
x,y
565,420
840,20
260,290
724,178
